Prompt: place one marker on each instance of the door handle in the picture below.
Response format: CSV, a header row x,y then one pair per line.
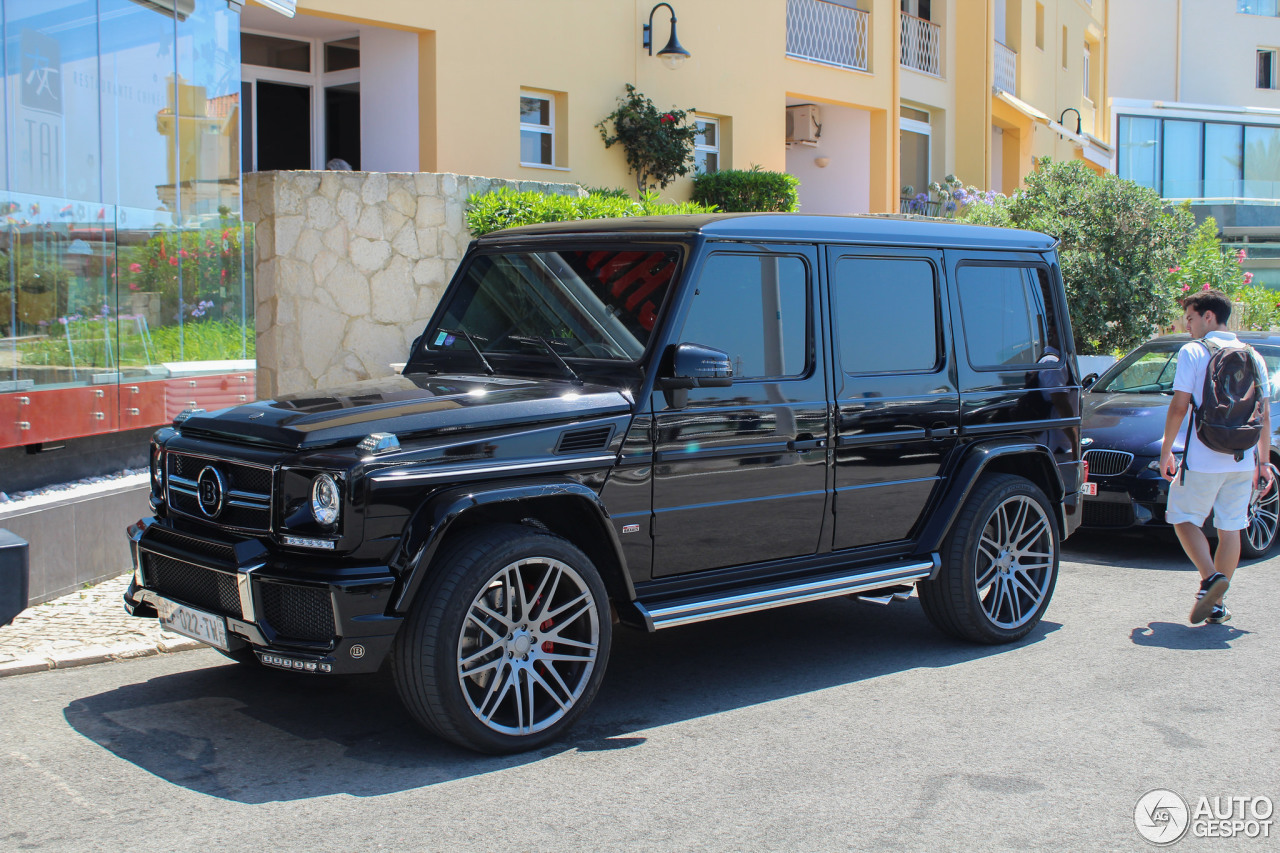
x,y
806,442
941,430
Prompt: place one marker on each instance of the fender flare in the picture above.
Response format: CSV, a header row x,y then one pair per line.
x,y
439,514
975,462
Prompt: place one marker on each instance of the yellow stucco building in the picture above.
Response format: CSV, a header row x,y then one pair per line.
x,y
857,98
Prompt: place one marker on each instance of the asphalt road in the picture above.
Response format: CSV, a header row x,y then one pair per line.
x,y
837,725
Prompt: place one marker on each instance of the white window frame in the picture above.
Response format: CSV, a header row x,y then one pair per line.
x,y
545,129
317,79
1275,56
924,129
701,147
1088,60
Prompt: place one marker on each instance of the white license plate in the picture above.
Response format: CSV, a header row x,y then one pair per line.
x,y
1089,489
196,624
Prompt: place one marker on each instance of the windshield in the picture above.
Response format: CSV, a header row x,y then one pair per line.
x,y
1150,369
583,303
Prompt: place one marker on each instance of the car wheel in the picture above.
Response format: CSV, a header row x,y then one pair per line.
x,y
506,646
999,563
1264,518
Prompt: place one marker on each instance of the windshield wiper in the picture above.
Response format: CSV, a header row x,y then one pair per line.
x,y
549,348
463,332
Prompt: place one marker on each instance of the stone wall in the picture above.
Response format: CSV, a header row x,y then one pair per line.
x,y
350,265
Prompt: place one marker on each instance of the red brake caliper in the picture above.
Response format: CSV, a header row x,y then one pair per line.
x,y
547,645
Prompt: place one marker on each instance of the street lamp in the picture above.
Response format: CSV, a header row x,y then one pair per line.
x,y
673,55
1064,115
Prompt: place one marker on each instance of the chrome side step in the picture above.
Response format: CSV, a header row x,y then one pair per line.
x,y
699,609
887,596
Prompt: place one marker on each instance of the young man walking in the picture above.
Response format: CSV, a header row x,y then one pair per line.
x,y
1211,480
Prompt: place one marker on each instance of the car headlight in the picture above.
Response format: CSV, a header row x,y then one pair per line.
x,y
326,504
157,468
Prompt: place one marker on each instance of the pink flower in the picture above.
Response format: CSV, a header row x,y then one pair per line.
x,y
1185,288
183,252
135,267
1248,278
1204,286
1240,256
1175,269
173,261
133,286
666,117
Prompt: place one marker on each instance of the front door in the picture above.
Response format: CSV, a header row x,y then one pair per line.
x,y
741,472
898,408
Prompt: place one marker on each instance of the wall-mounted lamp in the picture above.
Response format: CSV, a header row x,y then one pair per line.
x,y
673,55
822,162
1064,115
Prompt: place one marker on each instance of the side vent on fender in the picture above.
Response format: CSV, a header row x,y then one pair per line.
x,y
579,440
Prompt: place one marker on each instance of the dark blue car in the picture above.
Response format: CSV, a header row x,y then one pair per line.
x,y
1124,414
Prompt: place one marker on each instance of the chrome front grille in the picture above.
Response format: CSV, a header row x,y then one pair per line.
x,y
1104,463
246,505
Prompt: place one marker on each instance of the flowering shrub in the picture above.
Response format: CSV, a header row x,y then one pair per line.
x,y
947,199
196,273
658,145
1206,265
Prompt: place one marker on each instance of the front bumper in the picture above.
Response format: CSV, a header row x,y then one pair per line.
x,y
291,611
1127,500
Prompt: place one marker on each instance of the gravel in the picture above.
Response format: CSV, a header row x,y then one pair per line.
x,y
77,488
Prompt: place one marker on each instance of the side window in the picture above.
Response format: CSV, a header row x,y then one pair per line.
x,y
1009,316
900,338
756,309
1271,357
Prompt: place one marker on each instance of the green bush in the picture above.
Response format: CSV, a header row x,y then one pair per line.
x,y
507,208
1118,245
747,190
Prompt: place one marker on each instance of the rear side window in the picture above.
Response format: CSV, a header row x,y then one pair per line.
x,y
756,309
1009,316
900,337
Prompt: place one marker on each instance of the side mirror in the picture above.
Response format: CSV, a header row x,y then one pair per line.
x,y
694,366
1088,381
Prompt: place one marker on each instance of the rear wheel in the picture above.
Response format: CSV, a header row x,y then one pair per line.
x,y
999,563
507,646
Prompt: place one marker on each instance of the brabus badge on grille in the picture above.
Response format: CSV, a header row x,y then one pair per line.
x,y
211,490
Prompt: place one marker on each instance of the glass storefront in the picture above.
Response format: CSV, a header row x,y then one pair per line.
x,y
1181,158
122,251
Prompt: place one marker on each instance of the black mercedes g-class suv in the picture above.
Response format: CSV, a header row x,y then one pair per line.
x,y
647,421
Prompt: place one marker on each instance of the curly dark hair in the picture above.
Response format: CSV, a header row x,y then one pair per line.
x,y
1209,300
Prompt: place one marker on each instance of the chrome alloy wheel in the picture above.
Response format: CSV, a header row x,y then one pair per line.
x,y
528,646
1264,517
1015,562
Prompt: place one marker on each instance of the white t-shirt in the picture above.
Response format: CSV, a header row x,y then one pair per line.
x,y
1193,359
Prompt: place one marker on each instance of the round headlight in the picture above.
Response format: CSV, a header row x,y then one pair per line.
x,y
325,503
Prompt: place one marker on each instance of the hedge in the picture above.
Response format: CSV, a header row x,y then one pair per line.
x,y
506,208
747,190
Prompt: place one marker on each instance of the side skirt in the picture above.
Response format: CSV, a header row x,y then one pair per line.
x,y
695,607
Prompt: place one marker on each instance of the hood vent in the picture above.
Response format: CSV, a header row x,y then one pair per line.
x,y
579,440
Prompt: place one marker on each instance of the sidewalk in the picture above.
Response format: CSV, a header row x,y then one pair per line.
x,y
88,626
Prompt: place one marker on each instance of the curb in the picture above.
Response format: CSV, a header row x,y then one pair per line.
x,y
92,655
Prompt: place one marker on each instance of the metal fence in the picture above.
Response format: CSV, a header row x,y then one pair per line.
x,y
828,33
1006,70
921,45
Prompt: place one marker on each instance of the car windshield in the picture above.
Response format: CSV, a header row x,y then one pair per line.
x,y
1149,370
1146,370
579,303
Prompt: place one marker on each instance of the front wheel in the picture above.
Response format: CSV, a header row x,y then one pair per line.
x,y
1264,518
999,563
506,646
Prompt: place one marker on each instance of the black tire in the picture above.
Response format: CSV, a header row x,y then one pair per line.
x,y
1259,537
465,618
987,594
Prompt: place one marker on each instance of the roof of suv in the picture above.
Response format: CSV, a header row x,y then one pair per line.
x,y
794,227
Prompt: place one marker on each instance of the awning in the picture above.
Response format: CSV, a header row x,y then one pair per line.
x,y
1021,106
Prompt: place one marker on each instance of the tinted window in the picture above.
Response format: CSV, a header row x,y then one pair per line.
x,y
901,339
756,309
1009,316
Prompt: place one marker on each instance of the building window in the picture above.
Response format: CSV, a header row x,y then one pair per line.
x,y
1184,158
1088,61
1258,7
706,146
914,151
1040,25
1064,47
1266,69
537,129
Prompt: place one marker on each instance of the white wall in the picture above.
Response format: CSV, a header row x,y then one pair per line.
x,y
1136,69
388,100
844,186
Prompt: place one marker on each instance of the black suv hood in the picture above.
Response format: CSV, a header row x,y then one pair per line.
x,y
410,406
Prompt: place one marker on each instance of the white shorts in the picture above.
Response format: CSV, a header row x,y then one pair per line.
x,y
1227,494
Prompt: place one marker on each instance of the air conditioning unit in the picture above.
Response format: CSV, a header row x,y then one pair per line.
x,y
804,124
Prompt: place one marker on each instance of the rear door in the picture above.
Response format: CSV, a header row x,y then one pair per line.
x,y
740,472
897,405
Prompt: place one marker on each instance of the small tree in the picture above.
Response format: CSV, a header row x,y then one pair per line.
x,y
658,145
1118,243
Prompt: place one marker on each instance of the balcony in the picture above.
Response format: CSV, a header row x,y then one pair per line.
x,y
921,45
1006,70
829,33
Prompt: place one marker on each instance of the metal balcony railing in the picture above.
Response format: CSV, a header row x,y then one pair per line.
x,y
1006,70
921,45
828,33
